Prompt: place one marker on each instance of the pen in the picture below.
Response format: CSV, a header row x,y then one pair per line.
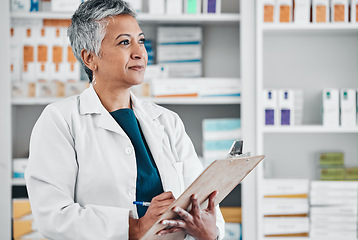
x,y
145,204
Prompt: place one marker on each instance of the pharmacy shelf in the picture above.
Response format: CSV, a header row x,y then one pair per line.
x,y
18,182
316,27
309,129
167,100
148,18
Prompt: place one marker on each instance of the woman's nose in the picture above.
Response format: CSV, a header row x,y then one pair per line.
x,y
138,51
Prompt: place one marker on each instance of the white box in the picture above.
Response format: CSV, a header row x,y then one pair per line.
x,y
173,53
270,107
333,226
302,11
174,7
65,5
285,206
212,6
233,231
332,218
276,187
184,69
19,167
179,34
322,233
285,225
283,11
330,108
268,10
348,107
192,6
156,7
298,106
22,89
286,107
320,11
339,11
354,11
340,186
335,210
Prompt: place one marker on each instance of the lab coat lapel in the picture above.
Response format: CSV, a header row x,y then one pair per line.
x,y
154,135
91,104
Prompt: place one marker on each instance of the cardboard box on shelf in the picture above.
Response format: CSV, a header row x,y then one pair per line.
x,y
268,11
320,11
283,11
339,11
330,107
302,11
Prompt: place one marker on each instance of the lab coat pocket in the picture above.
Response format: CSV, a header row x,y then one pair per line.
x,y
179,169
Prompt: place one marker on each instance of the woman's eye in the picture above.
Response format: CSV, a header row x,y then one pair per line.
x,y
124,42
142,41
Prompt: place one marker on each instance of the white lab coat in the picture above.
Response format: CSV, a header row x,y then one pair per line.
x,y
81,174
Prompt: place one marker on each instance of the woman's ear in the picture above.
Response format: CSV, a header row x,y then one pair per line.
x,y
88,59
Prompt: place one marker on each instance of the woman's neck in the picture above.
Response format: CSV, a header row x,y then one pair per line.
x,y
113,99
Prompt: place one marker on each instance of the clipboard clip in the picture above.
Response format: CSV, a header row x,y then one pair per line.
x,y
236,150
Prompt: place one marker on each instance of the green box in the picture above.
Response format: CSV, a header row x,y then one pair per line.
x,y
333,174
352,173
331,159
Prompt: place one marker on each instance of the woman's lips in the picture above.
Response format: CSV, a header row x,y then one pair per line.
x,y
137,67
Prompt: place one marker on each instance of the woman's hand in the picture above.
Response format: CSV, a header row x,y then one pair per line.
x,y
158,206
200,224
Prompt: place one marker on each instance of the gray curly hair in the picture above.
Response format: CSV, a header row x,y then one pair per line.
x,y
88,26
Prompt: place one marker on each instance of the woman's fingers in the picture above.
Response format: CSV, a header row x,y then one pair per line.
x,y
173,223
169,230
183,214
211,205
194,205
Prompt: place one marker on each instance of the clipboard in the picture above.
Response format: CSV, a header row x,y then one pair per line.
x,y
222,175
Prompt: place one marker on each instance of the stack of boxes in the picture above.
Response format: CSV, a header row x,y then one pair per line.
x,y
23,223
285,207
233,227
283,107
332,167
180,50
42,61
299,11
218,137
339,107
333,210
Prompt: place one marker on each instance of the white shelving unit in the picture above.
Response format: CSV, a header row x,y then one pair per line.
x,y
309,57
226,42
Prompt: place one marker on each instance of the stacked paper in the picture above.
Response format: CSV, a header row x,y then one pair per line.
x,y
23,223
334,209
218,137
285,207
180,49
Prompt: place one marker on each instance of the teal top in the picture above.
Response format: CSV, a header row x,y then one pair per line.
x,y
148,183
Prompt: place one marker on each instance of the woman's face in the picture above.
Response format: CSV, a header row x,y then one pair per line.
x,y
123,56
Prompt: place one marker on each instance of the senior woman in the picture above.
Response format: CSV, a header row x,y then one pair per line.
x,y
92,155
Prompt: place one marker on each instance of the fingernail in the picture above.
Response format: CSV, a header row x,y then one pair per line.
x,y
165,222
194,196
175,209
159,234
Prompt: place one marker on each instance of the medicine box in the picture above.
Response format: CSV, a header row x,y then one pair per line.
x,y
270,107
283,11
156,7
339,10
65,5
330,107
320,11
192,6
211,6
348,107
302,11
174,7
354,11
286,107
268,8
